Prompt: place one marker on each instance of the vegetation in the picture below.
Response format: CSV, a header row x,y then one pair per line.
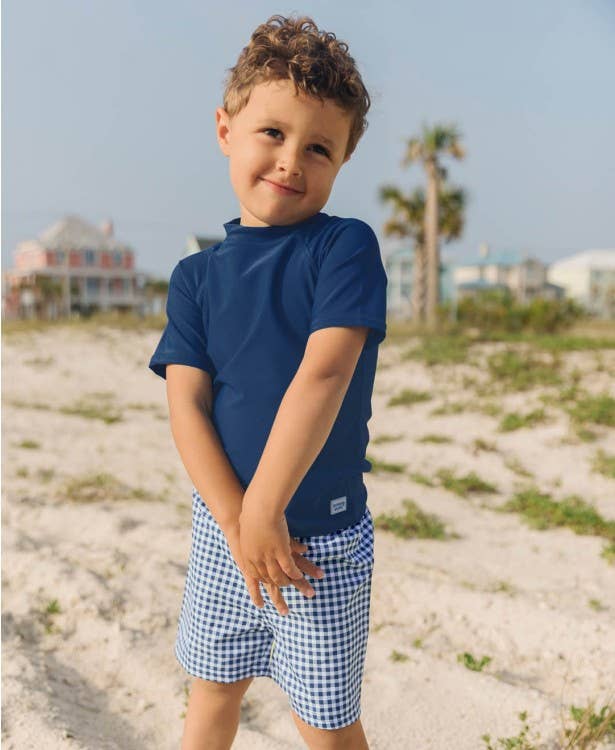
x,y
604,464
39,361
422,479
408,397
583,729
471,663
111,319
495,311
464,485
479,444
435,439
414,523
517,467
514,421
588,727
386,438
398,656
520,742
94,406
440,350
597,409
101,487
383,466
608,552
542,512
46,616
520,371
451,407
29,444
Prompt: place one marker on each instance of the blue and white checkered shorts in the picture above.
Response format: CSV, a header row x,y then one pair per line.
x,y
315,653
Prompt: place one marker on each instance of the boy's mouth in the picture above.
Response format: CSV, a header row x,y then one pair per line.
x,y
281,189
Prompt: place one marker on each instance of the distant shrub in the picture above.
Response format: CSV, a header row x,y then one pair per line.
x,y
548,316
497,310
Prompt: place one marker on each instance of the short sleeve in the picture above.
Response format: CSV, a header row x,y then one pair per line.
x,y
351,284
183,340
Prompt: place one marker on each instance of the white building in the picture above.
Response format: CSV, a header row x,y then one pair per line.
x,y
589,278
196,242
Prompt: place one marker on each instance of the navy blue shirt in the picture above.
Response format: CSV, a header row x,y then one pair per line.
x,y
243,311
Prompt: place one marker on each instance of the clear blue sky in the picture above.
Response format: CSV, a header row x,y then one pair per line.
x,y
108,111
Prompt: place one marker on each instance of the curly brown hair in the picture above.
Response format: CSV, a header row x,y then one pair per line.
x,y
315,61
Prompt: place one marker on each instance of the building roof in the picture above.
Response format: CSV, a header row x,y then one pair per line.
x,y
601,259
501,258
74,233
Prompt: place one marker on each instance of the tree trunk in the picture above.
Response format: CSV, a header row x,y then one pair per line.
x,y
431,241
419,278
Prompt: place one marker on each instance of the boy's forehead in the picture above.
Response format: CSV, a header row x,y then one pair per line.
x,y
279,100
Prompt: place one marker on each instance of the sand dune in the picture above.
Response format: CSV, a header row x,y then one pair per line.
x,y
92,583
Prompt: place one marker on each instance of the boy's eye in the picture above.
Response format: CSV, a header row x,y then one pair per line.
x,y
274,133
321,149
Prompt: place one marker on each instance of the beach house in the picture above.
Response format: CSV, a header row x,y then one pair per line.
x,y
589,278
73,266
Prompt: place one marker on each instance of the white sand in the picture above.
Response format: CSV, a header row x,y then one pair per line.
x,y
105,676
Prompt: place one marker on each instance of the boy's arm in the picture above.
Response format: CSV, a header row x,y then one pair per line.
x,y
189,393
302,424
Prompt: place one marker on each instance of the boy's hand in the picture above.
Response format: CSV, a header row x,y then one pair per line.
x,y
268,554
232,537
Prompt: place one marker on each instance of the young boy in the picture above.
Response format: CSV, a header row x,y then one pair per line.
x,y
269,355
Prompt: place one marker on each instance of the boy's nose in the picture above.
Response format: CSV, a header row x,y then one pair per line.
x,y
290,162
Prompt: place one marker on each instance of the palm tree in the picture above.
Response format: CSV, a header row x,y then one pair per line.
x,y
408,221
441,139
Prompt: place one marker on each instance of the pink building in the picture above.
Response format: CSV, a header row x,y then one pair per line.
x,y
72,266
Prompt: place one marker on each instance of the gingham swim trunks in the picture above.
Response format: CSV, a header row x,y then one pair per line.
x,y
315,653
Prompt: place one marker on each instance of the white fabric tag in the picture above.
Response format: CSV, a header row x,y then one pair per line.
x,y
338,505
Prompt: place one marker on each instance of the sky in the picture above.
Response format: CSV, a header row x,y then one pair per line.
x,y
108,112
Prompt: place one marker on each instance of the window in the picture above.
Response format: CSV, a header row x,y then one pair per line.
x,y
60,257
92,284
90,257
117,258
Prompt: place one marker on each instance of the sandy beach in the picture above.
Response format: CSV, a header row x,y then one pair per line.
x,y
96,534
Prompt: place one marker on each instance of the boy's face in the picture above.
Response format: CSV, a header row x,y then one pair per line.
x,y
285,151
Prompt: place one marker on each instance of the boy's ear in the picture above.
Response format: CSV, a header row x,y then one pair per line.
x,y
223,130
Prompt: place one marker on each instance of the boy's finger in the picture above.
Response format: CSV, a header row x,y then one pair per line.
x,y
296,544
307,566
305,588
288,567
254,591
301,584
275,575
259,572
276,597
